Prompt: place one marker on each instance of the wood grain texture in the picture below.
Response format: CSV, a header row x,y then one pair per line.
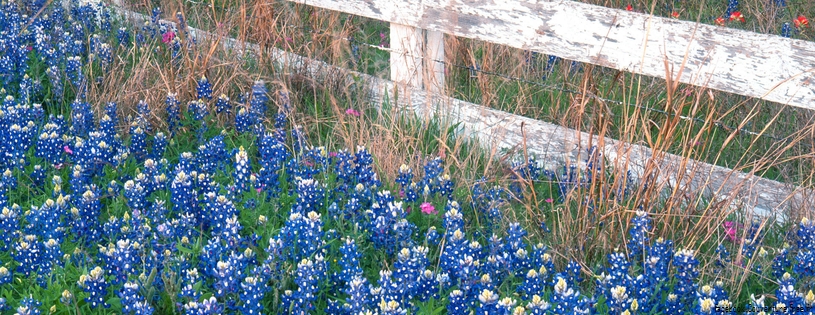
x,y
434,50
555,145
406,54
746,63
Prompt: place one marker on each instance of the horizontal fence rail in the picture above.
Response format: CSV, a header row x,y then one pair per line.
x,y
764,66
557,144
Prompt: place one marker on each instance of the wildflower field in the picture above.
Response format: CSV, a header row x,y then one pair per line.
x,y
143,172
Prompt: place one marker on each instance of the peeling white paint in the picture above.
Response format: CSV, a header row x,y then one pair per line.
x,y
746,63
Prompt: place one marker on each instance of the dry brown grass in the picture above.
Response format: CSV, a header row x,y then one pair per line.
x,y
591,222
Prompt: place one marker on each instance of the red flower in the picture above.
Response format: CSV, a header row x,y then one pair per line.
x,y
428,208
352,112
719,21
675,14
737,16
629,8
168,37
801,21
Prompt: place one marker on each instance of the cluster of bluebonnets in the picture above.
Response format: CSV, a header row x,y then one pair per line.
x,y
123,224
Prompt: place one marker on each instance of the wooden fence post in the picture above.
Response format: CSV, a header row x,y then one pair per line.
x,y
406,55
434,62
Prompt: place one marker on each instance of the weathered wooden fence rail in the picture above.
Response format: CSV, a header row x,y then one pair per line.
x,y
764,66
503,130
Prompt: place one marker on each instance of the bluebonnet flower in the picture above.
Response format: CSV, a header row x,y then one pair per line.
x,y
364,169
723,256
94,284
123,36
391,308
455,249
159,145
105,55
9,222
242,171
427,286
383,218
223,105
206,307
310,196
29,306
458,303
806,234
686,274
389,288
199,111
183,196
66,298
252,291
272,156
453,218
227,275
46,221
781,263
359,297
349,263
732,6
432,236
73,69
786,293
85,217
219,210
136,195
259,98
408,268
551,61
309,274
564,298
38,175
5,275
244,120
302,235
538,306
572,273
649,285
638,235
405,176
51,256
138,142
204,88
515,241
132,302
122,259
532,285
81,118
189,279
173,112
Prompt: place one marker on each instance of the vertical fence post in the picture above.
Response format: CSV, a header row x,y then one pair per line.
x,y
406,55
434,62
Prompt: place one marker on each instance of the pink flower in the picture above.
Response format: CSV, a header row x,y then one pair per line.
x,y
549,200
258,189
332,154
352,112
428,208
731,228
168,37
68,150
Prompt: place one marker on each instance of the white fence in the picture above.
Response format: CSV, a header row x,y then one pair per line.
x,y
552,28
